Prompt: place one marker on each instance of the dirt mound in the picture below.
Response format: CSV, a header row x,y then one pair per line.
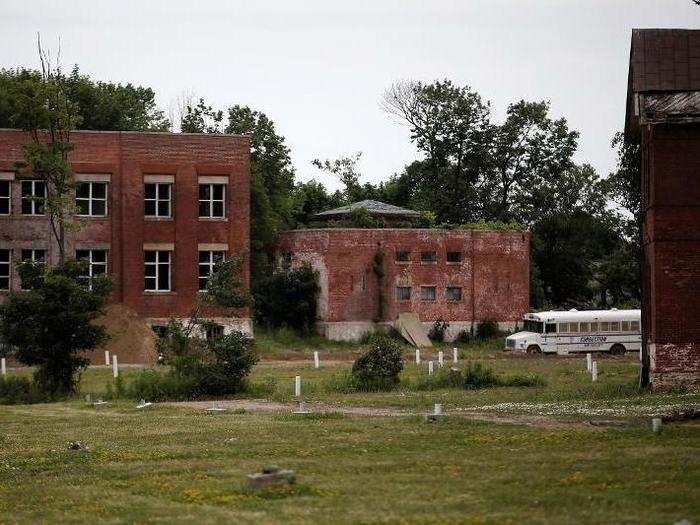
x,y
131,339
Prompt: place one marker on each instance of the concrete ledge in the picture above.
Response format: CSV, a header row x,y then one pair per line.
x,y
354,330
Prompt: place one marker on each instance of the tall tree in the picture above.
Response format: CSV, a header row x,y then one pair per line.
x,y
201,118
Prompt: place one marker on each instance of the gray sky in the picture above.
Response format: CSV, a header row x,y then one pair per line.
x,y
318,68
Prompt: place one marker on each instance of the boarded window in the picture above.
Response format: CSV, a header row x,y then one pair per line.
x,y
403,293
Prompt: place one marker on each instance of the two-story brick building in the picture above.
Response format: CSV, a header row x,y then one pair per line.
x,y
158,210
459,276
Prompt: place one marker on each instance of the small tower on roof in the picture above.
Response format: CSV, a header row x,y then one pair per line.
x,y
388,213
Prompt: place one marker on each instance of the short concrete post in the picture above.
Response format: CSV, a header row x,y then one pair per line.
x,y
115,366
589,362
430,368
3,366
106,357
297,386
317,362
455,355
594,370
437,410
441,358
417,356
656,425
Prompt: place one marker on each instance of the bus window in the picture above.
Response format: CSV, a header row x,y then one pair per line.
x,y
604,326
634,326
594,327
551,328
625,326
573,327
615,326
563,327
585,327
533,326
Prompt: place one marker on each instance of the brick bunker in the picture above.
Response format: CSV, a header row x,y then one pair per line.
x,y
460,276
158,210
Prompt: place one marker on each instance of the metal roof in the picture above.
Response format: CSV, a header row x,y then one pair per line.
x,y
586,315
373,207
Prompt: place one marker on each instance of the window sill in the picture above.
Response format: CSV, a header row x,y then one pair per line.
x,y
428,263
449,263
213,219
93,217
404,263
156,292
156,219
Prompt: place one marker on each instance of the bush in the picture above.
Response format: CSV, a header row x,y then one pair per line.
x,y
487,329
477,375
437,331
474,376
289,299
380,366
463,337
16,390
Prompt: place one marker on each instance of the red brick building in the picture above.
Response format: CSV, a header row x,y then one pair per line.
x,y
459,276
158,210
663,114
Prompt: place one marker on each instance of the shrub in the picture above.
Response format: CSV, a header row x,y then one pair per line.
x,y
289,299
463,337
477,375
474,376
380,366
437,331
16,390
487,329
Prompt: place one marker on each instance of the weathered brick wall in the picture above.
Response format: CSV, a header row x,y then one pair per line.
x,y
493,272
127,157
671,204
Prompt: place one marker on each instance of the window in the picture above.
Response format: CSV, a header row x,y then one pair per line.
x,y
594,327
4,269
550,328
604,326
286,260
91,199
364,282
615,326
428,257
214,330
428,293
33,196
402,257
454,257
5,197
634,326
532,326
563,327
207,264
573,327
157,271
403,293
212,201
453,293
34,257
157,199
96,263
160,330
585,327
625,325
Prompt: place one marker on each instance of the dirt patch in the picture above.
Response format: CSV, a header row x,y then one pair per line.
x,y
131,339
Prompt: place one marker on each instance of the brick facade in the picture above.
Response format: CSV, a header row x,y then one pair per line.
x,y
126,160
492,276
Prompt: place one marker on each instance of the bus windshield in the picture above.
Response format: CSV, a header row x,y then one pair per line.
x,y
533,326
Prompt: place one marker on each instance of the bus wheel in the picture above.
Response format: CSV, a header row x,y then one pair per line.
x,y
534,349
617,349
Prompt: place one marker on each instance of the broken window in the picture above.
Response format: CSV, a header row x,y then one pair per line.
x,y
453,293
402,256
33,196
157,197
403,293
428,293
5,269
91,199
428,257
5,189
454,257
157,271
212,201
207,264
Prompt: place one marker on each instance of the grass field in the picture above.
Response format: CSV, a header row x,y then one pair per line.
x,y
183,465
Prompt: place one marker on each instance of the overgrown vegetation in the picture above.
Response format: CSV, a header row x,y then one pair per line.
x,y
475,375
379,367
437,331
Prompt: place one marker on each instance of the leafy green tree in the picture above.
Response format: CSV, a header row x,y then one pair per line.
x,y
51,324
310,198
200,118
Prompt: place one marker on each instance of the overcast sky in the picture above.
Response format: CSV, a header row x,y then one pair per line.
x,y
318,68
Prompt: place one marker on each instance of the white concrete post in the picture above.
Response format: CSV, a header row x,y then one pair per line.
x,y
115,366
430,368
656,425
455,355
417,356
441,358
3,366
106,357
317,363
594,370
437,410
589,362
297,386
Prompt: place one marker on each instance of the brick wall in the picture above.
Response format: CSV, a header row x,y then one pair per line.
x,y
127,157
671,205
493,273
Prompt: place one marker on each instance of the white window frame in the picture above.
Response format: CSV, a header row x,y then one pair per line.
x,y
7,197
91,262
90,199
211,200
427,287
33,259
209,264
158,263
8,264
157,199
396,293
32,201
